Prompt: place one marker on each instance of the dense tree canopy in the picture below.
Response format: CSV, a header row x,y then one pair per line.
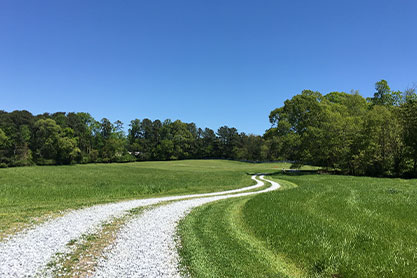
x,y
342,131
345,132
67,138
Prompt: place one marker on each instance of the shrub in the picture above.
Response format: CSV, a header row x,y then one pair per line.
x,y
126,158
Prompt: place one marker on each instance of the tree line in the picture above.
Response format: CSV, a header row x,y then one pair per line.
x,y
69,138
375,136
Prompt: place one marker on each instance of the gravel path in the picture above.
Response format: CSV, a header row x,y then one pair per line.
x,y
27,253
145,247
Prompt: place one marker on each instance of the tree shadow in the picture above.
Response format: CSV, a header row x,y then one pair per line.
x,y
290,172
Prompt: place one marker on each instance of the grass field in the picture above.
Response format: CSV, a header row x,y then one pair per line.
x,y
28,194
328,226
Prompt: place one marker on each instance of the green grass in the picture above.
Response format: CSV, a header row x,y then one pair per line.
x,y
216,243
30,193
329,226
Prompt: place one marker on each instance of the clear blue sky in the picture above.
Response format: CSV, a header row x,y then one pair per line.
x,y
217,62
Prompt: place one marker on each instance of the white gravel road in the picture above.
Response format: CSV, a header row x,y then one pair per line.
x,y
145,247
27,253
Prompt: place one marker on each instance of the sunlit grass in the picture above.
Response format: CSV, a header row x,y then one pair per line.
x,y
341,226
215,242
27,194
327,226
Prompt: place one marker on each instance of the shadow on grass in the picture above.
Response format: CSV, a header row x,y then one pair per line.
x,y
288,173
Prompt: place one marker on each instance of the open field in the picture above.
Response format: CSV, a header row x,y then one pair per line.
x,y
27,193
329,226
39,250
314,226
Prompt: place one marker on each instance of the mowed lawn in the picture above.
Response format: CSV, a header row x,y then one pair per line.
x,y
328,226
27,193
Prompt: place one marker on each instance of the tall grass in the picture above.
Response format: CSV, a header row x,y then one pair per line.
x,y
327,226
215,242
341,226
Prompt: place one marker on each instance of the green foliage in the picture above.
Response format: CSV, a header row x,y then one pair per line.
x,y
68,138
46,134
383,95
3,139
343,132
340,131
408,114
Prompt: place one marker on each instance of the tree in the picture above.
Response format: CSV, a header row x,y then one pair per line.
x,y
182,139
106,128
46,141
409,121
228,138
68,151
383,95
251,148
381,146
134,136
60,119
410,94
210,144
296,124
82,124
3,139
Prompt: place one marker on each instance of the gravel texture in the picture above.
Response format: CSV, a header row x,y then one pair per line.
x,y
146,247
27,253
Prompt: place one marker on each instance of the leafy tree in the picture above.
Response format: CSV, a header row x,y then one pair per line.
x,y
410,94
342,131
82,124
228,137
409,122
60,119
210,144
45,140
296,123
383,95
251,148
106,128
68,151
339,130
3,139
134,136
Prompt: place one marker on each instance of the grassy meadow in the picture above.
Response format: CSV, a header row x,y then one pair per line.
x,y
327,226
29,194
315,226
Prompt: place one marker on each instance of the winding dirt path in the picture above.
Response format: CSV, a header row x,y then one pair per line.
x,y
146,246
27,253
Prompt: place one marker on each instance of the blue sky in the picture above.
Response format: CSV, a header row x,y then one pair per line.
x,y
210,62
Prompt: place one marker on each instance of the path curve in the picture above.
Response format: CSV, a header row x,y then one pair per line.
x,y
145,247
28,252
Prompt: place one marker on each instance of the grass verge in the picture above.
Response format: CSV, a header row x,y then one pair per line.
x,y
215,242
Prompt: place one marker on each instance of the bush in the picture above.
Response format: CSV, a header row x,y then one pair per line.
x,y
44,161
126,158
93,156
85,159
21,162
3,165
